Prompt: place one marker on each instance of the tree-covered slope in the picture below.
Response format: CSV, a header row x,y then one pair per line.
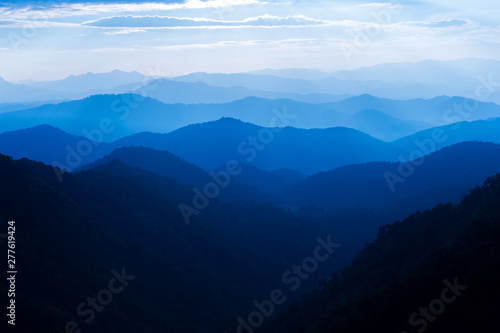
x,y
74,236
435,271
70,238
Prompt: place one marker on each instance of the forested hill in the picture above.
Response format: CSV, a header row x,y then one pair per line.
x,y
73,238
435,271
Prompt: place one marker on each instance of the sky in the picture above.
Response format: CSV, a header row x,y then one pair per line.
x,y
48,40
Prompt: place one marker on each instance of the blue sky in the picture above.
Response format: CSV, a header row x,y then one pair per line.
x,y
51,40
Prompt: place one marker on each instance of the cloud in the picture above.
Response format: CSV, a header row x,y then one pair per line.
x,y
442,24
187,22
61,10
35,24
489,35
230,43
115,50
291,42
378,5
124,31
450,26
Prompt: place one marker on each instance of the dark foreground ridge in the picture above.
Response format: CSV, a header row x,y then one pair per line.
x,y
435,271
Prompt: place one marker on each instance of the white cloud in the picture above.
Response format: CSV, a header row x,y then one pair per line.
x,y
221,44
488,35
214,45
454,27
34,24
115,49
85,9
291,33
379,5
188,22
441,24
124,31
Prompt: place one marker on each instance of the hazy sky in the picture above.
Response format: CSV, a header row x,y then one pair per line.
x,y
51,40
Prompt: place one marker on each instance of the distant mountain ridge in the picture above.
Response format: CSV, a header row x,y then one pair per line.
x,y
168,165
426,79
207,145
72,87
400,81
436,178
212,144
131,113
51,145
480,130
93,81
171,92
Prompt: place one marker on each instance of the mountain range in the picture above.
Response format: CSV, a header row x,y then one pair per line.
x,y
428,272
127,220
146,236
72,87
213,144
400,188
390,188
426,79
279,200
128,114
